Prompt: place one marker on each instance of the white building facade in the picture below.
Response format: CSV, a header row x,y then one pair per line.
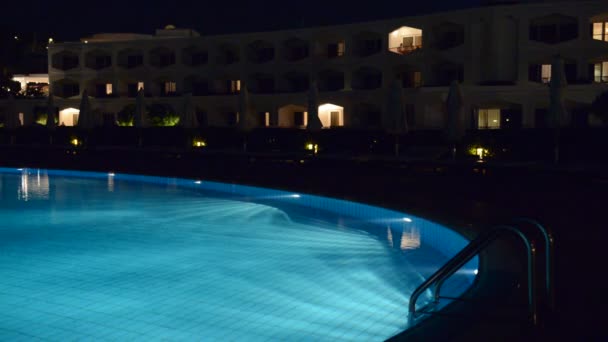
x,y
500,54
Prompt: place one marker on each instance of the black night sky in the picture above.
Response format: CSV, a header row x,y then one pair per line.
x,y
71,20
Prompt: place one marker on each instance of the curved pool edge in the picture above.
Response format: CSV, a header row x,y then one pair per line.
x,y
445,239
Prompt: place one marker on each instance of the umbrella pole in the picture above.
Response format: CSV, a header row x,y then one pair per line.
x,y
396,145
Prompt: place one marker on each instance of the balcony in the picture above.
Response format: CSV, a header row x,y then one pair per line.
x,y
196,85
405,40
162,57
367,44
295,49
553,29
448,35
367,78
195,56
331,80
296,82
130,58
98,60
260,52
66,88
262,83
227,54
65,60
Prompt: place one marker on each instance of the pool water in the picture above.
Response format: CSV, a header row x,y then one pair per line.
x,y
115,257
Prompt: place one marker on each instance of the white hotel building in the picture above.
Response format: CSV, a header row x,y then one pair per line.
x,y
501,54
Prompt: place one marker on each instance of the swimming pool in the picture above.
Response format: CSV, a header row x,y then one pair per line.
x,y
103,256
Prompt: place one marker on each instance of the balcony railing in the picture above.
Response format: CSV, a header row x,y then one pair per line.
x,y
404,50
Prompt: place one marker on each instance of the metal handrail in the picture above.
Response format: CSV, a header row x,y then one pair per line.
x,y
549,253
472,249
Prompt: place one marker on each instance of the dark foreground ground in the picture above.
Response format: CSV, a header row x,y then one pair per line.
x,y
570,200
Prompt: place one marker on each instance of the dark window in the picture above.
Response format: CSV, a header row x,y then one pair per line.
x,y
134,61
167,59
556,32
570,71
103,62
70,62
100,90
299,52
450,39
200,58
335,50
232,118
70,90
132,89
534,72
298,119
370,47
265,85
265,55
262,119
297,84
200,88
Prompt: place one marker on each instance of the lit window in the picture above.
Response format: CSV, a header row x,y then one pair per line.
x,y
417,79
600,31
545,73
170,87
600,72
267,119
140,86
341,48
405,40
108,88
235,86
488,119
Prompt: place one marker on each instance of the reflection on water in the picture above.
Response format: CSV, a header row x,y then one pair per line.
x,y
410,237
34,186
110,182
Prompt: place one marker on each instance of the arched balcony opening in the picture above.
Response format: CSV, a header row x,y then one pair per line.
x,y
367,43
66,88
130,58
162,57
405,40
367,78
295,49
98,60
554,29
331,80
260,52
65,60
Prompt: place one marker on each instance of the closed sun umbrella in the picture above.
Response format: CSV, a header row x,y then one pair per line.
x,y
50,112
188,116
85,120
455,113
11,121
246,121
314,123
394,118
557,109
140,119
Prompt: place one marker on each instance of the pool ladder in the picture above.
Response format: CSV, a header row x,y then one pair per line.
x,y
476,246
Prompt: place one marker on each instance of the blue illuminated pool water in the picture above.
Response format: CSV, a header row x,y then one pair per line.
x,y
91,256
